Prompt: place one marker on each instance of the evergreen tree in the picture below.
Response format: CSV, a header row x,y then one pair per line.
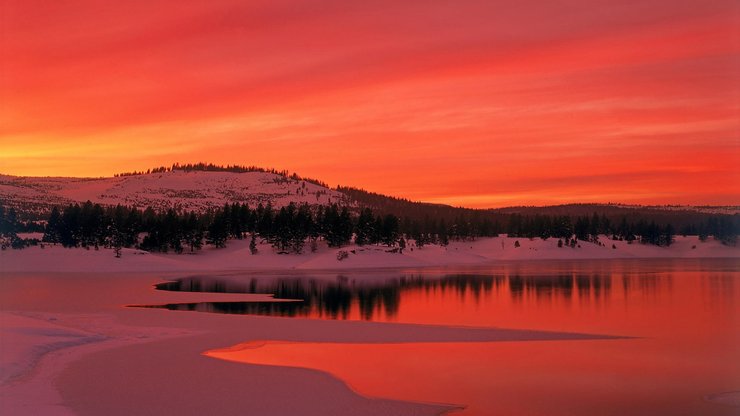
x,y
668,235
245,218
173,231
69,230
8,229
51,234
582,228
417,235
193,232
235,223
218,230
376,236
116,240
390,233
11,222
338,226
443,234
303,226
364,229
345,226
282,228
595,227
265,217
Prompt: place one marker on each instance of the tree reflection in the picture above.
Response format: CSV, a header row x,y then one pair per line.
x,y
323,298
379,299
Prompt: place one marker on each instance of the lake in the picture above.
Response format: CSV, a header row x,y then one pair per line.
x,y
677,323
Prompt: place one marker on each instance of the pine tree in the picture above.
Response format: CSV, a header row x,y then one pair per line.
x,y
69,229
218,230
116,240
364,229
265,217
390,232
595,227
8,229
193,232
302,228
443,234
51,234
668,236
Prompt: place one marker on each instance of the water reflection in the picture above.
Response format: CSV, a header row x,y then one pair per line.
x,y
324,299
345,297
683,314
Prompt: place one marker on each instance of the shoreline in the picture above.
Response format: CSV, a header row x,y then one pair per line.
x,y
236,257
138,353
90,378
160,346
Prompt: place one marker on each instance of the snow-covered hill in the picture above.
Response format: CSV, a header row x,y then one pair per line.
x,y
194,190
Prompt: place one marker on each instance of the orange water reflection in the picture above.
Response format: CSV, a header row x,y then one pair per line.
x,y
687,318
518,378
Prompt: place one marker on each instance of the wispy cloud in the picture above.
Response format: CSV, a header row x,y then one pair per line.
x,y
446,101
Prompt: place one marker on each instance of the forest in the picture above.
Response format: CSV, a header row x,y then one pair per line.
x,y
291,228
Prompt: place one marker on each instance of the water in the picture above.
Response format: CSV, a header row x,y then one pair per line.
x,y
682,317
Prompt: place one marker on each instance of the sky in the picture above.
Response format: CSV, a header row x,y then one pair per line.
x,y
471,103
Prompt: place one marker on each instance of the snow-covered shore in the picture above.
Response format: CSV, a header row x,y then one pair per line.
x,y
69,347
236,256
66,337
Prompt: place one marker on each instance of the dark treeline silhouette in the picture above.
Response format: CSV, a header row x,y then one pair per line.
x,y
645,230
435,223
11,224
288,229
685,221
210,167
568,228
203,167
9,228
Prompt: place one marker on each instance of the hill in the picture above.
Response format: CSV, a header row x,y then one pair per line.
x,y
204,187
179,189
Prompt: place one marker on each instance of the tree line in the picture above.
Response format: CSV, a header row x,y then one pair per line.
x,y
642,223
290,228
9,228
210,167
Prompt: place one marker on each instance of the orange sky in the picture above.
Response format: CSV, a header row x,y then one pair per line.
x,y
476,103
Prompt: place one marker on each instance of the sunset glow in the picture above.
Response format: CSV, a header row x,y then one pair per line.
x,y
473,103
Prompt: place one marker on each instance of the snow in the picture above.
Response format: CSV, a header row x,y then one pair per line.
x,y
236,256
31,236
195,190
706,209
68,345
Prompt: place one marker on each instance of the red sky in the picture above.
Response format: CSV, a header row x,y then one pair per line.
x,y
476,103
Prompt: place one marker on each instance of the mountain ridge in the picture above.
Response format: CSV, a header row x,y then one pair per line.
x,y
203,189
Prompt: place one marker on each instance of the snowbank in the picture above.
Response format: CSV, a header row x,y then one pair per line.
x,y
236,256
69,347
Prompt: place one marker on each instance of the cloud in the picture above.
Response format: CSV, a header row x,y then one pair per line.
x,y
426,99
